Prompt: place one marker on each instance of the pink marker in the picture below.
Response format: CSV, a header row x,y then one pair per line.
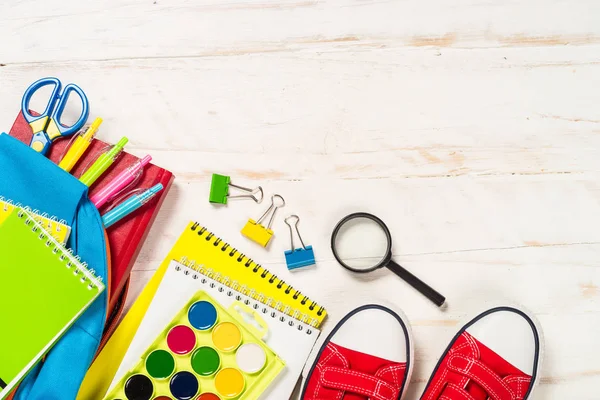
x,y
122,180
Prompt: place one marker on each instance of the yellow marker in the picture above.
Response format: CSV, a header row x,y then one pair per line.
x,y
258,233
79,147
229,382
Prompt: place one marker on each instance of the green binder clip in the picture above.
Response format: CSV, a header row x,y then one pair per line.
x,y
219,190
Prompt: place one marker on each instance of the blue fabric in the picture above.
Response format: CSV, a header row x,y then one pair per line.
x,y
31,179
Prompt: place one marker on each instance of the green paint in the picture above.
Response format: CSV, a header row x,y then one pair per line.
x,y
160,364
205,361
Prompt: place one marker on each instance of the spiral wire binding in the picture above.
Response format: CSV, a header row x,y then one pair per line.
x,y
297,318
264,274
67,256
9,204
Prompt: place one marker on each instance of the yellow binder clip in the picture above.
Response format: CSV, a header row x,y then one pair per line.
x,y
256,232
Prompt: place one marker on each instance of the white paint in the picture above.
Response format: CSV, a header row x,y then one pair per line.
x,y
250,358
470,127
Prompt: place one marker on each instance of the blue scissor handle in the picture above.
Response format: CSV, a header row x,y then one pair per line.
x,y
85,110
34,88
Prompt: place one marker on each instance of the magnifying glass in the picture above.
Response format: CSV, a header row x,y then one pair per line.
x,y
362,243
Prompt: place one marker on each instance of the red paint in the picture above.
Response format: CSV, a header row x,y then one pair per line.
x,y
208,396
181,339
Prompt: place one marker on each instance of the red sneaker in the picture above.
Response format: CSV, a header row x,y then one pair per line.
x,y
496,356
367,356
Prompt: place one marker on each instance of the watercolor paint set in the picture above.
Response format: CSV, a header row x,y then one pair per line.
x,y
205,353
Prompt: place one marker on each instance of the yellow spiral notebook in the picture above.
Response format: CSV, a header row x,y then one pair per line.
x,y
241,273
59,230
236,270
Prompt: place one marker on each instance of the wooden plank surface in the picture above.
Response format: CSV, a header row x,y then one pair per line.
x,y
471,127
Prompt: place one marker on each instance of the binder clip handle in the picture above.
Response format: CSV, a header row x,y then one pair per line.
x,y
273,208
255,194
295,223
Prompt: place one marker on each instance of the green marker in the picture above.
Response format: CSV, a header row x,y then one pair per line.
x,y
102,163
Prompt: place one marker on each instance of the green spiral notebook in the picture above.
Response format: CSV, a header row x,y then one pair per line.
x,y
43,290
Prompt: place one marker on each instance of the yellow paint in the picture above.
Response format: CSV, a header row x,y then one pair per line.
x,y
257,233
229,382
227,336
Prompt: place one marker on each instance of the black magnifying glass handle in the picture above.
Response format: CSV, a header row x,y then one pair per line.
x,y
418,284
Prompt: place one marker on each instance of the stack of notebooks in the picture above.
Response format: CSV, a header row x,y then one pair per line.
x,y
202,261
57,229
127,237
43,290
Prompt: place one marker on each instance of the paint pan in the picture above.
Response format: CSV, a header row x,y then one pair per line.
x,y
206,352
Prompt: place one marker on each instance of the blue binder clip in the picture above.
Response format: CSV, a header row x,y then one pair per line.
x,y
301,257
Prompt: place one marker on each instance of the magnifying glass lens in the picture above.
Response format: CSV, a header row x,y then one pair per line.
x,y
361,243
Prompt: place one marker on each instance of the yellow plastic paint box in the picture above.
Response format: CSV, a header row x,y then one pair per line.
x,y
205,353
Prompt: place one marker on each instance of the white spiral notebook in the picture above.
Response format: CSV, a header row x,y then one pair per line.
x,y
291,339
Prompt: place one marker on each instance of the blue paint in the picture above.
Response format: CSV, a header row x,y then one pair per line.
x,y
202,315
183,385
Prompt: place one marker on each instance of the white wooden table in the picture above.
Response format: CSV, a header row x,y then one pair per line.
x,y
470,126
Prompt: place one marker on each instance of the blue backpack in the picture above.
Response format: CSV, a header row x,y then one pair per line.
x,y
29,178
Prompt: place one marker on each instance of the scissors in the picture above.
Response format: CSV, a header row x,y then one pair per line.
x,y
47,126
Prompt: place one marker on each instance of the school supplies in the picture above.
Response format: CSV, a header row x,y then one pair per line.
x,y
124,179
298,257
125,239
102,163
219,190
197,242
79,146
58,229
47,126
258,233
205,348
43,290
289,338
358,255
130,205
